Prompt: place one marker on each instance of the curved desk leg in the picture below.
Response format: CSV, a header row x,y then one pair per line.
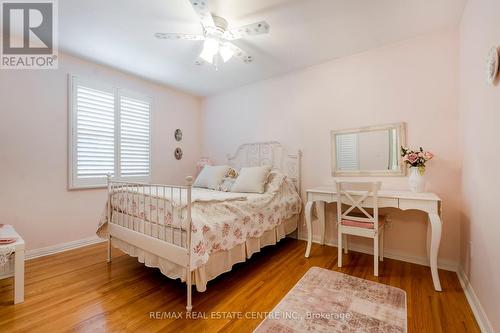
x,y
436,225
308,216
320,209
429,236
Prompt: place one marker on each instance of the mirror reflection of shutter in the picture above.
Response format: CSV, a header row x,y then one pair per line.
x,y
393,149
347,152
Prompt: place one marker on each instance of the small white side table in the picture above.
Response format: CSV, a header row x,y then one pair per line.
x,y
14,267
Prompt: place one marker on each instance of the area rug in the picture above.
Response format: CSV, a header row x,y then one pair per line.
x,y
328,301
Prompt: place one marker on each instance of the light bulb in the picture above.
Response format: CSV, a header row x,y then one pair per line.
x,y
226,52
210,49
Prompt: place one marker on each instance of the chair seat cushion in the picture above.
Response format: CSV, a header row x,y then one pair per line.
x,y
364,225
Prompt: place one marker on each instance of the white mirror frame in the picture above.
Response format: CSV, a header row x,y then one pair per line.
x,y
401,135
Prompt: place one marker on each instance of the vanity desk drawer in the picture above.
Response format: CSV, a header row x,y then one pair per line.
x,y
326,197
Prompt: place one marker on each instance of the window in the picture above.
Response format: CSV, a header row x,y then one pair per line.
x,y
109,134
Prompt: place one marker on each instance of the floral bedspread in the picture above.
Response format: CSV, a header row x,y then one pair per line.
x,y
216,225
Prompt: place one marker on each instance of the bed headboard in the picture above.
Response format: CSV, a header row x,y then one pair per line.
x,y
271,153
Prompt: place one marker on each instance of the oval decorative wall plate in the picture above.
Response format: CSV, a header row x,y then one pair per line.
x,y
492,65
178,153
178,134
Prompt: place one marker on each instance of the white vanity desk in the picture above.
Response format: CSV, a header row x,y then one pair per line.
x,y
427,202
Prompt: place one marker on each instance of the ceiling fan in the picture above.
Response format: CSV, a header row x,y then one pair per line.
x,y
217,46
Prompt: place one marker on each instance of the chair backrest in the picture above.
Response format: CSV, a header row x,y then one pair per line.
x,y
355,195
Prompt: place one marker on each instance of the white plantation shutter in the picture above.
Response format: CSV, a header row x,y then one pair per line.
x,y
134,137
110,134
95,138
347,152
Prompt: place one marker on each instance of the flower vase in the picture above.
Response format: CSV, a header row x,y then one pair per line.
x,y
417,179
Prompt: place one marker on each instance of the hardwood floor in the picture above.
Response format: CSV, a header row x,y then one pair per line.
x,y
78,291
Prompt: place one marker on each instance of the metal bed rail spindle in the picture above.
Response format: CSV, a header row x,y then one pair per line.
x,y
133,210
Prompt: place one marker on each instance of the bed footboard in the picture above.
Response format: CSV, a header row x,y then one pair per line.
x,y
155,218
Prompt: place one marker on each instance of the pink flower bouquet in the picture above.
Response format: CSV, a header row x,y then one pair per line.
x,y
416,158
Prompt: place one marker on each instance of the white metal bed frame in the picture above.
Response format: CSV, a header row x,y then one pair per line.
x,y
179,252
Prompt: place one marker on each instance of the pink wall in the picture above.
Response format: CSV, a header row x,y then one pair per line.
x,y
415,81
33,149
480,116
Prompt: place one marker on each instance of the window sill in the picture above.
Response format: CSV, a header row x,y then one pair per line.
x,y
73,187
87,187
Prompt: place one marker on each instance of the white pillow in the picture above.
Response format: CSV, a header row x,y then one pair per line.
x,y
211,176
251,180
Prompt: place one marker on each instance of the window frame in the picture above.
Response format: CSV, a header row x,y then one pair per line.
x,y
101,182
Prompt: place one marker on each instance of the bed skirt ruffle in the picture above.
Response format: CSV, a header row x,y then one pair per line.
x,y
218,263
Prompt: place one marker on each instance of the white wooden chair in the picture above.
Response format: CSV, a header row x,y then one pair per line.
x,y
360,195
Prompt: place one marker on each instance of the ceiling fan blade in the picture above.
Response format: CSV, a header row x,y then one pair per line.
x,y
240,53
167,35
258,28
201,8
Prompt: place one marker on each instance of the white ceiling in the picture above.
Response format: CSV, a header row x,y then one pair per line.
x,y
119,33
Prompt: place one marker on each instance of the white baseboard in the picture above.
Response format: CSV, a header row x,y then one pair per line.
x,y
45,251
447,265
475,304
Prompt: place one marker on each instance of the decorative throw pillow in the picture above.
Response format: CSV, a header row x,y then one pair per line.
x,y
251,180
211,176
227,184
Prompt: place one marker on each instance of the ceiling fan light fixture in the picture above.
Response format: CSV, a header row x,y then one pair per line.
x,y
218,47
226,52
210,49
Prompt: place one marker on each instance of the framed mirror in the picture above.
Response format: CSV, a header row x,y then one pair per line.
x,y
368,151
